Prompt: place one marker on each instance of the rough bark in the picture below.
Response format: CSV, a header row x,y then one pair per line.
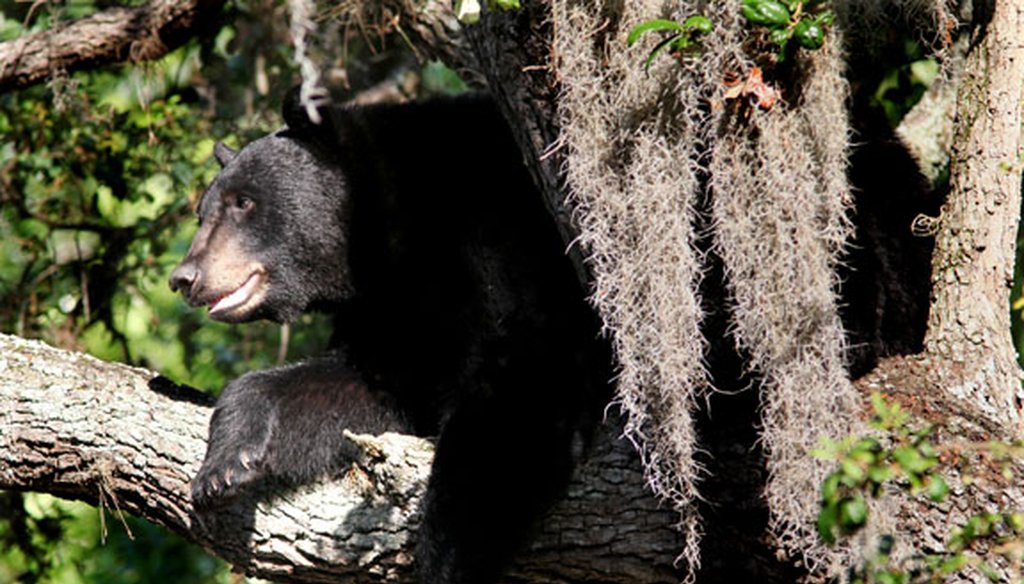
x,y
129,440
968,339
979,480
967,382
113,36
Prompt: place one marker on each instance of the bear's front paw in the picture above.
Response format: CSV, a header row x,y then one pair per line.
x,y
222,478
236,455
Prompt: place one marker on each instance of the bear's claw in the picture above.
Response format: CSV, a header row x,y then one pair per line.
x,y
221,479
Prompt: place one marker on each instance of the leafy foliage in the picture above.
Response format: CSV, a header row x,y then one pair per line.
x,y
803,21
906,458
45,539
99,176
865,466
99,173
682,39
905,82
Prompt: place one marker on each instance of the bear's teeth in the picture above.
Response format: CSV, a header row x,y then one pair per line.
x,y
238,297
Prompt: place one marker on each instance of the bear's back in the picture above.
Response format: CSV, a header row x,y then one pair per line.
x,y
455,260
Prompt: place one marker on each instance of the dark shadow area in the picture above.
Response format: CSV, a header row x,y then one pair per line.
x,y
734,513
180,392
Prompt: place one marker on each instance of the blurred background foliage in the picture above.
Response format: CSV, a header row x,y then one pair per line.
x,y
99,175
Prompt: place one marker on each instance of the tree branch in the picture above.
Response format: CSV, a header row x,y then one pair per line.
x,y
112,36
130,441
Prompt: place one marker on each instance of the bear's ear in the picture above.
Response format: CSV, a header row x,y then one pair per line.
x,y
224,154
297,116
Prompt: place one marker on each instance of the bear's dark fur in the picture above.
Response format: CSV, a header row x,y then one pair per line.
x,y
886,274
456,313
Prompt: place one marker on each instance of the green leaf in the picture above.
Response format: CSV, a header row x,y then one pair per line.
x,y
652,25
910,459
924,71
953,564
852,470
853,513
828,517
698,24
868,444
879,474
937,488
107,204
825,18
506,4
780,36
830,487
885,578
766,12
878,404
1015,521
203,151
825,450
69,245
670,41
809,34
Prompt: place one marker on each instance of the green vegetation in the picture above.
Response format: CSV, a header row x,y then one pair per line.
x,y
865,466
681,41
904,458
99,175
45,539
804,21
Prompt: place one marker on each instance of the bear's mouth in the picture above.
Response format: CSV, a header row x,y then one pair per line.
x,y
242,300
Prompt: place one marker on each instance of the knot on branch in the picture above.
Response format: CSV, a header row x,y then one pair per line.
x,y
392,466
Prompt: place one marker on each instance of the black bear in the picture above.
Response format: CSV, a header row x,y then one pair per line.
x,y
456,313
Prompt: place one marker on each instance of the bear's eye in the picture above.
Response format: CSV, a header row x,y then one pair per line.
x,y
244,203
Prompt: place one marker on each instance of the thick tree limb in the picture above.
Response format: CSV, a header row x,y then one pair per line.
x,y
112,36
126,439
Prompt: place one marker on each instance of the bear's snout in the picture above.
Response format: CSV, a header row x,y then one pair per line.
x,y
184,277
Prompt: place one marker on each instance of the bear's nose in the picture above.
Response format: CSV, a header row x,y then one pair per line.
x,y
183,278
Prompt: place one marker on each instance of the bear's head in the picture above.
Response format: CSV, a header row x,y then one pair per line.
x,y
272,238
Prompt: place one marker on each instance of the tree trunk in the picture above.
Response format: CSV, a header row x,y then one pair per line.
x,y
967,382
130,441
972,269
